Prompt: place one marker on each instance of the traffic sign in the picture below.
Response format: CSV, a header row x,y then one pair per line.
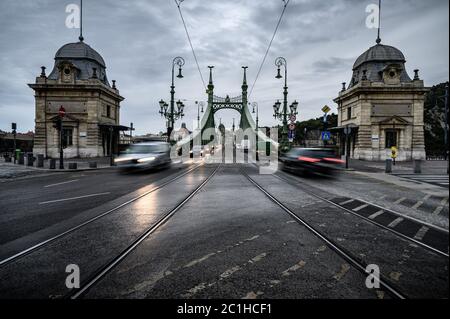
x,y
291,134
326,136
293,118
62,111
292,126
326,109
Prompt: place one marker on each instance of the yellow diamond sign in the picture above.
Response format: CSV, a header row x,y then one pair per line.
x,y
326,109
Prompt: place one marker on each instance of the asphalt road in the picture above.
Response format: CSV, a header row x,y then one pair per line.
x,y
228,240
46,205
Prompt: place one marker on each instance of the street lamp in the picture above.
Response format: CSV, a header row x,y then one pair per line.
x,y
199,105
170,113
255,106
283,114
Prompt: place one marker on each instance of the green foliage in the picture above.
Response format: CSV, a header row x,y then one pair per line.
x,y
434,118
313,124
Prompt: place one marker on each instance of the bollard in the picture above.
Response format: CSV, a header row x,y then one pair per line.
x,y
417,166
52,163
30,159
40,160
73,165
21,158
388,166
92,164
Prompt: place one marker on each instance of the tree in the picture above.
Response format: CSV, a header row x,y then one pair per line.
x,y
434,119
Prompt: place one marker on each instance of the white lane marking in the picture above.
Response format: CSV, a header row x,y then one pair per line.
x,y
344,269
417,205
426,197
398,201
437,210
422,231
378,213
72,198
383,197
360,207
227,273
253,295
395,222
347,202
197,261
296,267
62,183
444,201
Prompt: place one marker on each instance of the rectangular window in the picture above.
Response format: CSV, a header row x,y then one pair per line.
x,y
108,111
349,113
67,137
391,139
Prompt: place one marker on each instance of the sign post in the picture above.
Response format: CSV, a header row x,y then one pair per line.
x,y
61,113
347,131
325,133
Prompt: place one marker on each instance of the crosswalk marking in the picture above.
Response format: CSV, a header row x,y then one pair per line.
x,y
418,204
360,207
347,202
375,215
398,201
422,231
395,222
437,210
440,180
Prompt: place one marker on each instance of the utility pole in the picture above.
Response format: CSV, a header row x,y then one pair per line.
x,y
446,127
14,131
61,113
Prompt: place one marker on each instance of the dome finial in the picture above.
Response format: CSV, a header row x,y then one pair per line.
x,y
379,22
81,38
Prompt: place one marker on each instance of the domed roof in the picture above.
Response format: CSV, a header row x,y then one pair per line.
x,y
84,58
380,53
79,50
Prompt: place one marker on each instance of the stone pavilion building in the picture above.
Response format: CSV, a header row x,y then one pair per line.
x,y
79,83
382,107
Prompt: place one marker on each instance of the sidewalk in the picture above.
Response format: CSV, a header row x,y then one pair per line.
x,y
428,167
10,170
376,170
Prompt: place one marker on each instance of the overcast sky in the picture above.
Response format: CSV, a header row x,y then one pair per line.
x,y
138,39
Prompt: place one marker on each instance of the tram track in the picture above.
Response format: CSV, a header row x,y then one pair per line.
x,y
100,273
43,243
343,253
438,231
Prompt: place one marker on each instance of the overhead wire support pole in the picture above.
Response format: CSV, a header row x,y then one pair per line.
x,y
286,2
178,3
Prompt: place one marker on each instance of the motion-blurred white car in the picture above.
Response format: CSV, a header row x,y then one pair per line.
x,y
144,156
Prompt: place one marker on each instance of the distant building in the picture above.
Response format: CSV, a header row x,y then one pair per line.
x,y
24,142
79,83
181,133
383,107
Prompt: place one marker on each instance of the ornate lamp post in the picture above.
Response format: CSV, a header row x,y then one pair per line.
x,y
170,113
199,105
283,114
255,106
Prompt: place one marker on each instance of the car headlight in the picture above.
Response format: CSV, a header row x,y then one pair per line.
x,y
122,159
146,159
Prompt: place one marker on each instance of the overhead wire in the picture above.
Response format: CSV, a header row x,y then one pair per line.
x,y
178,2
286,2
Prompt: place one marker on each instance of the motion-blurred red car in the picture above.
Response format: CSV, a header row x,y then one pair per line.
x,y
311,160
